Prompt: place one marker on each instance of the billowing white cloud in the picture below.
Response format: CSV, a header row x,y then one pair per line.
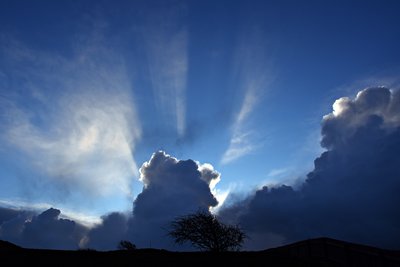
x,y
172,188
349,115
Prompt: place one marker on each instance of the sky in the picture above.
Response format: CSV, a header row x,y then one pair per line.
x,y
117,116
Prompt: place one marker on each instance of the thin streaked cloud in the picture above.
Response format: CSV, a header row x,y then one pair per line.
x,y
253,72
277,172
166,46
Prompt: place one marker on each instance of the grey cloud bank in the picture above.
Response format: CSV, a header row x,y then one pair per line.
x,y
353,191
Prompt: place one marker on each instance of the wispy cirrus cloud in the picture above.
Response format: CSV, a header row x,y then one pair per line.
x,y
240,145
73,118
277,172
253,73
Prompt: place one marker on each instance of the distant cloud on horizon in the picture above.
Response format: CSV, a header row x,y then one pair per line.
x,y
46,230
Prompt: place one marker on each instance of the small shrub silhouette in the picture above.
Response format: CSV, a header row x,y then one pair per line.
x,y
87,249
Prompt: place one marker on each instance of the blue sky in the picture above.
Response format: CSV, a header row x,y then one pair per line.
x,y
90,89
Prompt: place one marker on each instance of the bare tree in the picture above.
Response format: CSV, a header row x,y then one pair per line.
x,y
126,245
205,232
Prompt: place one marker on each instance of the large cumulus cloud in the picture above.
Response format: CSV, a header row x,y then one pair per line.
x,y
172,188
353,191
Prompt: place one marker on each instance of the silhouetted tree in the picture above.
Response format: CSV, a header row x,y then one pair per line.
x,y
205,232
87,249
126,245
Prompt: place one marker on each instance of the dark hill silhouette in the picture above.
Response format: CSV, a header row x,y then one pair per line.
x,y
5,246
338,253
313,252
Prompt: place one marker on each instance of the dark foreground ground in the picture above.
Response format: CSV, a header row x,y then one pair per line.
x,y
314,252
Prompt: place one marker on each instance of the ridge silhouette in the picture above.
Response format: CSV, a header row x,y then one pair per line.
x,y
312,252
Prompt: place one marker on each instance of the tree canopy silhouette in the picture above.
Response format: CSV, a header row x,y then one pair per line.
x,y
204,231
126,245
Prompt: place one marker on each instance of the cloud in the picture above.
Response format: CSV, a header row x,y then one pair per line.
x,y
351,194
348,115
73,118
208,174
277,172
12,229
108,233
15,206
166,46
252,77
46,230
240,145
7,214
172,188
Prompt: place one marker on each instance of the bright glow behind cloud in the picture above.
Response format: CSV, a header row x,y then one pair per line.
x,y
339,105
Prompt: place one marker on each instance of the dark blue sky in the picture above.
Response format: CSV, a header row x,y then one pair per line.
x,y
89,90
